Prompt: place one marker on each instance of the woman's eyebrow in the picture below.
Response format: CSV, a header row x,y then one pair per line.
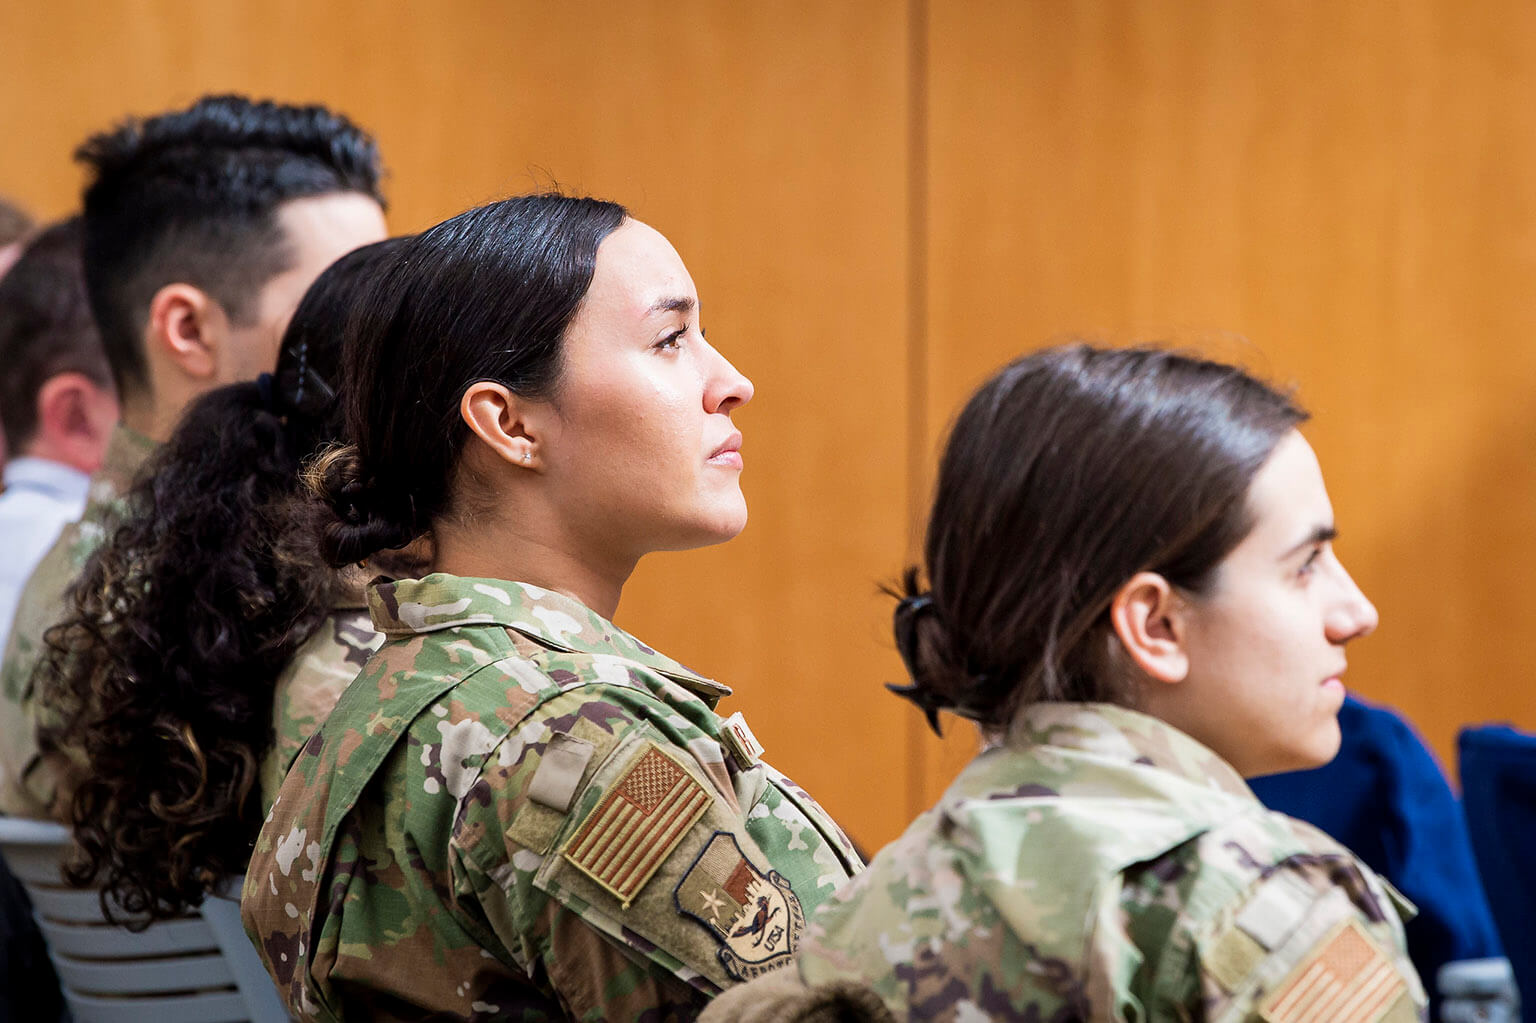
x,y
1319,534
680,304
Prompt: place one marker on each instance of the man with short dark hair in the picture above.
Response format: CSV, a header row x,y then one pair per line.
x,y
57,404
203,228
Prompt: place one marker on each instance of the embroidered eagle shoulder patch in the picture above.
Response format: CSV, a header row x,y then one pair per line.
x,y
755,915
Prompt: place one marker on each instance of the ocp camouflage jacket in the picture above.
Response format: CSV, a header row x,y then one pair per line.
x,y
1105,866
518,811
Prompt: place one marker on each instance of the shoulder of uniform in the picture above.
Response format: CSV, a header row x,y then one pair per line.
x,y
1286,924
1205,875
573,746
569,669
1247,846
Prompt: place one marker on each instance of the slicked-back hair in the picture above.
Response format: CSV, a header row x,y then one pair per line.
x,y
485,295
45,328
192,197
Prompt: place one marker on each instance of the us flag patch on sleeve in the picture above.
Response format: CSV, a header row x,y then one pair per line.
x,y
632,829
1348,980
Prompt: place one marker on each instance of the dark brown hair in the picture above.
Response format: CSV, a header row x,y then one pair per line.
x,y
1067,473
45,328
15,225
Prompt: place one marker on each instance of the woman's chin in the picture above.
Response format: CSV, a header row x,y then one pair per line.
x,y
716,527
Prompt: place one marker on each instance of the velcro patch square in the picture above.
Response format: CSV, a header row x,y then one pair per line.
x,y
1348,980
560,770
637,824
1232,959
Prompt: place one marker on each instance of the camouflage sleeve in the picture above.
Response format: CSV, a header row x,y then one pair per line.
x,y
33,782
18,736
578,838
309,687
26,784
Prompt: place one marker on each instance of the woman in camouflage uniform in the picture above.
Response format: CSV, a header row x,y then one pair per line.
x,y
1132,587
518,811
207,638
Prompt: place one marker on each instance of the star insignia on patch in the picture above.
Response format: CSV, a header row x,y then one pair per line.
x,y
754,915
1349,979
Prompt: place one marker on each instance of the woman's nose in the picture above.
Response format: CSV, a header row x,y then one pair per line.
x,y
1353,616
728,388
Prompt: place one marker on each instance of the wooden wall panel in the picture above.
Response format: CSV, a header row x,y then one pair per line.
x,y
882,202
1348,187
767,141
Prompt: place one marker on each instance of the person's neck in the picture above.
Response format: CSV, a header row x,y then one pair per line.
x,y
149,418
59,454
525,558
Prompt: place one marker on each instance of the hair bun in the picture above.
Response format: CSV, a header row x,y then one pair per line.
x,y
365,517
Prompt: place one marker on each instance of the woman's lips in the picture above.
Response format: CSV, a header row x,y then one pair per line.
x,y
728,454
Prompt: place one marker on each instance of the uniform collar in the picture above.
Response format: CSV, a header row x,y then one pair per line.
x,y
439,601
1118,733
127,451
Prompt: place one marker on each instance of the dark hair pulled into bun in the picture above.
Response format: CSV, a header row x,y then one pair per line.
x,y
486,295
941,681
366,517
1068,472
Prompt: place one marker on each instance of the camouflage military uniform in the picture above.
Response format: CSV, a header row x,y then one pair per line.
x,y
312,682
27,781
518,811
1106,866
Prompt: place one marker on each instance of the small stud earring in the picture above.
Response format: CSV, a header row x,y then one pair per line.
x,y
527,457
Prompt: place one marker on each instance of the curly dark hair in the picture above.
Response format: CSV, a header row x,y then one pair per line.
x,y
184,619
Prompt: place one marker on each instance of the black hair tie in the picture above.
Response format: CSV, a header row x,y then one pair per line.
x,y
909,610
264,387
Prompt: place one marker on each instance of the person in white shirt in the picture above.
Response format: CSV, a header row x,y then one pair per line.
x,y
57,403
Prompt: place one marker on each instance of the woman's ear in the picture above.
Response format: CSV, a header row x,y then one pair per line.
x,y
499,418
1151,621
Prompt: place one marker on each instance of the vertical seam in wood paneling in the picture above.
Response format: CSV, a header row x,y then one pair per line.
x,y
917,340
